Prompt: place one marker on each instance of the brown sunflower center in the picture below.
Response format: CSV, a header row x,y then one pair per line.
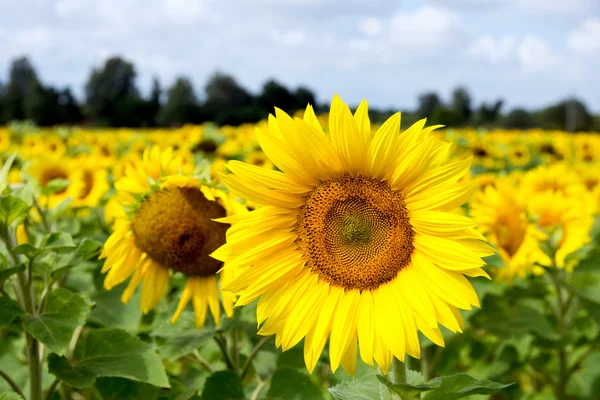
x,y
88,184
355,233
175,228
52,173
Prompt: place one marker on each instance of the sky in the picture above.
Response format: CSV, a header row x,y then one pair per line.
x,y
531,53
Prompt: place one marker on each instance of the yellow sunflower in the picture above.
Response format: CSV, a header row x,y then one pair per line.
x,y
169,228
353,239
95,182
47,170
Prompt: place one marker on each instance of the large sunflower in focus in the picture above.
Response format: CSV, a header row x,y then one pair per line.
x,y
168,227
354,239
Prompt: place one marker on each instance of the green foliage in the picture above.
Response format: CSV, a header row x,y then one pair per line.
x,y
54,327
109,353
12,209
366,388
223,385
288,383
9,310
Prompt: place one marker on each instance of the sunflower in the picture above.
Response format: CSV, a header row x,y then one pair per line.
x,y
47,170
168,229
501,214
519,155
353,239
95,182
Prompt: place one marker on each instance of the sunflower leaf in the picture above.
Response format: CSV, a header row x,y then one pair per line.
x,y
125,389
109,353
9,396
223,385
8,272
9,310
54,327
59,242
366,388
55,186
291,384
405,390
461,385
12,209
4,172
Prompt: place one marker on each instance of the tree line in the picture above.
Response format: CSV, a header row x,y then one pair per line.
x,y
112,99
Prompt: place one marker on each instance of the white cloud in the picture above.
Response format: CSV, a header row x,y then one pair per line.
x,y
586,37
557,7
492,50
371,26
289,39
535,55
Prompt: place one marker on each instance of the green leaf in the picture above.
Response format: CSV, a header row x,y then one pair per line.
x,y
8,272
59,242
109,353
11,209
110,312
585,382
9,310
55,186
27,250
461,385
366,388
291,384
405,390
64,312
587,286
10,396
24,193
125,389
223,385
5,170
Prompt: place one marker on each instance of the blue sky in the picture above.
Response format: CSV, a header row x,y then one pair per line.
x,y
529,52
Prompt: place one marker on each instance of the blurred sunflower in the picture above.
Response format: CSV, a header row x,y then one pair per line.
x,y
95,182
354,238
169,228
519,155
47,170
501,215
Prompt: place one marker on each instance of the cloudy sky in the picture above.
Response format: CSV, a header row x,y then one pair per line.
x,y
530,52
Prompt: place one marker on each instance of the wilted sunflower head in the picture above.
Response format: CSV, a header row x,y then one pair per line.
x,y
168,227
354,238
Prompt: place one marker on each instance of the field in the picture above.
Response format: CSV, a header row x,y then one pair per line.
x,y
108,289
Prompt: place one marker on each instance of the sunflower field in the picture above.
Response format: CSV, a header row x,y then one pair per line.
x,y
304,257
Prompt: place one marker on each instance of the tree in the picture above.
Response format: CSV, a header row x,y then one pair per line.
x,y
222,91
304,96
181,105
71,110
571,115
428,103
488,114
461,105
22,79
275,94
518,118
112,97
42,105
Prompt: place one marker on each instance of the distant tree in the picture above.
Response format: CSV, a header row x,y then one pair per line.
x,y
42,105
71,109
22,79
181,105
303,97
488,114
518,118
428,103
273,95
449,117
571,115
112,97
461,105
2,90
222,91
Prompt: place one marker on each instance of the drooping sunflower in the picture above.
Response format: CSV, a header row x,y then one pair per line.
x,y
354,238
168,229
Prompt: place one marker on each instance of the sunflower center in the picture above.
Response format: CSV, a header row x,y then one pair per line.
x,y
88,184
175,228
355,233
52,173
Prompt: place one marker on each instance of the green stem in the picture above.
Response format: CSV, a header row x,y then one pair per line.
x,y
562,311
426,363
223,346
253,354
203,362
399,371
11,383
42,215
51,389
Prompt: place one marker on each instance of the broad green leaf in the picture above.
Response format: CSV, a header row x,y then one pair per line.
x,y
405,390
366,388
59,242
9,310
55,186
587,285
27,250
11,209
460,385
223,385
292,358
585,382
25,193
64,312
8,272
4,172
125,389
291,384
110,312
10,396
110,353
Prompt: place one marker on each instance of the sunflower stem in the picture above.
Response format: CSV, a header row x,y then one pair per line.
x,y
399,371
11,383
253,354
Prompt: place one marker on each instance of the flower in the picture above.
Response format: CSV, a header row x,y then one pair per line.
x,y
354,239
